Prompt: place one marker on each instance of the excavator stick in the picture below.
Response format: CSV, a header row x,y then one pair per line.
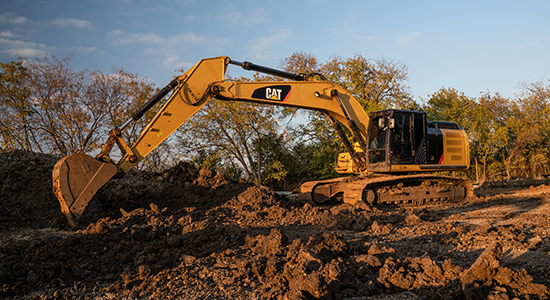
x,y
76,179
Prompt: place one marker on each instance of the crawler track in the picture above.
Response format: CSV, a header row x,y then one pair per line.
x,y
410,190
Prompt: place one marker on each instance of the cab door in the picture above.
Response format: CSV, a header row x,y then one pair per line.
x,y
378,156
401,139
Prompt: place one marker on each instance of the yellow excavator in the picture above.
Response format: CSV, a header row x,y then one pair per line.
x,y
393,153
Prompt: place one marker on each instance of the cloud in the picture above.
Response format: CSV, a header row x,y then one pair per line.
x,y
115,33
174,61
21,45
170,61
179,40
6,34
190,19
28,49
73,23
366,37
189,37
121,38
21,48
10,18
169,47
255,16
532,44
409,39
59,22
261,44
83,49
184,66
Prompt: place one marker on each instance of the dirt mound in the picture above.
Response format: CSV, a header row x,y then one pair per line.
x,y
191,234
26,197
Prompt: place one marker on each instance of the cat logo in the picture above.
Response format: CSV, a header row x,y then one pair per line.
x,y
275,93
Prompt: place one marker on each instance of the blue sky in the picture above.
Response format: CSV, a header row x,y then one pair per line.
x,y
472,46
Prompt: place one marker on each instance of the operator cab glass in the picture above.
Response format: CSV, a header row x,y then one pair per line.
x,y
378,132
395,138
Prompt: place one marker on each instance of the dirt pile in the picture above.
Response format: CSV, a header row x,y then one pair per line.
x,y
26,194
192,234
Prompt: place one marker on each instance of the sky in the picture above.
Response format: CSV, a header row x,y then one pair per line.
x,y
472,46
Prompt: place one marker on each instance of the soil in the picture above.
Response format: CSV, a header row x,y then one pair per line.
x,y
192,234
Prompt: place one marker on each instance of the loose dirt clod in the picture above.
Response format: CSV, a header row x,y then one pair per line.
x,y
191,234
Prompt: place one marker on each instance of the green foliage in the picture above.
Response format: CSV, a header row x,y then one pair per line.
x,y
449,105
509,138
376,83
229,129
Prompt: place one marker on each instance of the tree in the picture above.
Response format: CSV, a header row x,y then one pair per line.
x,y
15,107
110,99
275,160
58,117
488,134
448,104
49,108
229,129
376,83
528,125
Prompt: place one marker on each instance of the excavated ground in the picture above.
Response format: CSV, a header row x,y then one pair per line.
x,y
190,234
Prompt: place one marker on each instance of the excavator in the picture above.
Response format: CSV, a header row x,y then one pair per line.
x,y
393,155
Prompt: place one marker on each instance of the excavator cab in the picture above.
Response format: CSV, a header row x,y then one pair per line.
x,y
395,137
402,141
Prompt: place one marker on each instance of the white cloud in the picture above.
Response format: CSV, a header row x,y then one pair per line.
x,y
409,39
366,37
170,61
189,37
120,38
174,41
18,47
184,66
174,61
255,16
21,45
149,38
7,43
258,15
260,44
6,34
190,19
60,22
74,23
26,52
169,47
83,49
235,18
8,17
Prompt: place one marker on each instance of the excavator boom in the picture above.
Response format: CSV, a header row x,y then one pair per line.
x,y
79,176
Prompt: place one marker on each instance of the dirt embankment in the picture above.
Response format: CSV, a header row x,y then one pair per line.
x,y
191,234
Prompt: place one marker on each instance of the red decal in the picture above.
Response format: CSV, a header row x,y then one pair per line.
x,y
287,95
441,159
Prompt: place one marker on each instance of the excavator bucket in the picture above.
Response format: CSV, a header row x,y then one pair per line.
x,y
76,179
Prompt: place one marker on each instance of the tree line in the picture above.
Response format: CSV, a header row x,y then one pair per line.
x,y
47,107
